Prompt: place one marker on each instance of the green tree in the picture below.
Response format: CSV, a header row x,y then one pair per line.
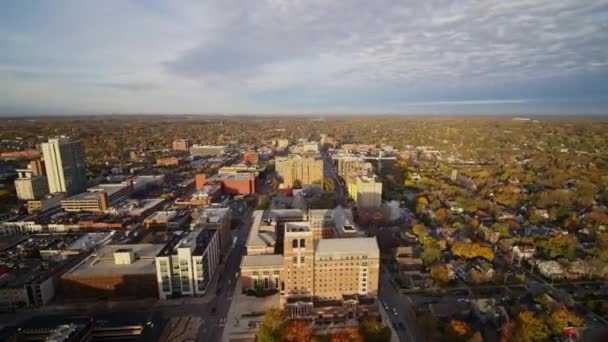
x,y
559,246
297,184
431,250
271,329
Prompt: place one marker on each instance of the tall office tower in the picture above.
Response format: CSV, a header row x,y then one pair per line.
x,y
298,259
65,165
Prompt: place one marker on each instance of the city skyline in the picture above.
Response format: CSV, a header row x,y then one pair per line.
x,y
441,57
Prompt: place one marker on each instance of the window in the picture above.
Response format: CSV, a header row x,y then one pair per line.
x,y
295,259
302,243
294,243
302,260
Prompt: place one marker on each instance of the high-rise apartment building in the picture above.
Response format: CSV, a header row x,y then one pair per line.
x,y
186,264
65,165
348,165
366,191
29,186
306,170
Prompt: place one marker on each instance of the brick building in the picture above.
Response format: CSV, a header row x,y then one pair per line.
x,y
234,183
170,161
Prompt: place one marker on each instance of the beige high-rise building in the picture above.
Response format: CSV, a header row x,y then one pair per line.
x,y
346,267
306,170
366,191
348,165
298,259
65,165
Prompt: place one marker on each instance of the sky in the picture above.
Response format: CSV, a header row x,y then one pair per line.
x,y
305,56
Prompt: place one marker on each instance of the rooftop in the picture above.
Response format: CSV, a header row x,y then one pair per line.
x,y
262,260
348,246
102,263
231,176
256,237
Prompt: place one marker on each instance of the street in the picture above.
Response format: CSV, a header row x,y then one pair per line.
x,y
225,282
395,302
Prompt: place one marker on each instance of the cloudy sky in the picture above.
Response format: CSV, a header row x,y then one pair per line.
x,y
304,56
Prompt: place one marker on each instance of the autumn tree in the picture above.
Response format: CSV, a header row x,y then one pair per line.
x,y
347,335
271,329
562,318
373,331
440,274
472,250
298,331
442,216
420,231
458,331
530,328
431,251
559,246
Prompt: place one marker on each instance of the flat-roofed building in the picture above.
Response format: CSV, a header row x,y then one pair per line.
x,y
48,202
217,218
306,170
346,266
185,266
181,145
115,271
100,198
262,271
207,150
209,193
235,183
366,191
29,186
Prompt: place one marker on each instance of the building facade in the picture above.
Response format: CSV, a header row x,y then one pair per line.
x,y
207,150
306,170
181,145
366,191
65,165
29,186
185,266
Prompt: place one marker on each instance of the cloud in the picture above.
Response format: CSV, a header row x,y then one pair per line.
x,y
232,55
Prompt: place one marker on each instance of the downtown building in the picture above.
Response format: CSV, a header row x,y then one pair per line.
x,y
65,165
30,186
306,170
316,277
185,266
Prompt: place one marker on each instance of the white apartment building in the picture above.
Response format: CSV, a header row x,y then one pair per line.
x,y
186,265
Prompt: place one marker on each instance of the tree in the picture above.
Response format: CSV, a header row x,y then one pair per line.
x,y
373,331
472,250
297,184
347,335
420,231
442,215
558,246
530,328
440,274
328,184
431,250
562,318
298,331
458,331
271,329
